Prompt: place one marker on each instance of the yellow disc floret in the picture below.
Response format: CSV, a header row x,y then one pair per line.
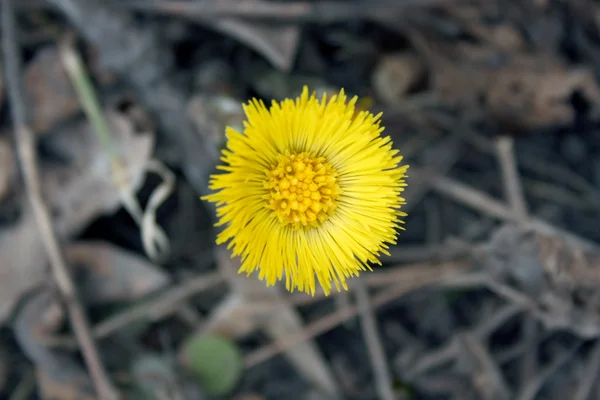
x,y
303,190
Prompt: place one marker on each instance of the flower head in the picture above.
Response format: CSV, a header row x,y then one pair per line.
x,y
311,191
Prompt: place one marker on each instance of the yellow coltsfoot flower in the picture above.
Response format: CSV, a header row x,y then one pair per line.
x,y
311,191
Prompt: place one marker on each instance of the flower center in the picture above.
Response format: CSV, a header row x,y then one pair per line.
x,y
303,189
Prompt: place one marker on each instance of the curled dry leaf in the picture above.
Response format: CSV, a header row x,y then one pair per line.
x,y
278,44
7,167
210,115
539,95
112,274
49,95
59,375
396,75
520,90
77,193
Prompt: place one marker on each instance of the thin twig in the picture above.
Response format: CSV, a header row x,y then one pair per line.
x,y
561,195
554,171
513,352
529,363
487,377
163,304
591,374
389,293
510,176
449,351
514,193
27,156
484,203
318,327
383,378
152,310
532,388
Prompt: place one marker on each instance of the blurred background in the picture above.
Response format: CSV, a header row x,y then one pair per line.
x,y
113,116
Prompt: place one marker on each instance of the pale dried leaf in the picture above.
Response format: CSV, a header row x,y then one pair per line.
x,y
49,95
506,37
86,188
233,318
20,270
112,274
59,375
77,193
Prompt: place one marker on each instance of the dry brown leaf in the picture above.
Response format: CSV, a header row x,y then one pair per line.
x,y
395,75
278,44
77,193
234,317
49,95
506,37
7,167
521,90
112,274
539,95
